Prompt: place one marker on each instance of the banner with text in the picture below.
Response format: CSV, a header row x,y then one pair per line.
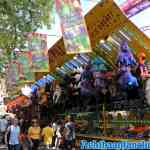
x,y
104,19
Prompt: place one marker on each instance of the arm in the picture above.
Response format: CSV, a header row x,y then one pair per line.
x,y
41,134
6,135
144,73
29,134
20,136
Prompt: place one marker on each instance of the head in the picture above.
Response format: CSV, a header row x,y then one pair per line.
x,y
119,116
15,121
88,65
34,123
142,58
69,118
124,46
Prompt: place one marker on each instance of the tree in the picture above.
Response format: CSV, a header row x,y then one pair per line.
x,y
18,17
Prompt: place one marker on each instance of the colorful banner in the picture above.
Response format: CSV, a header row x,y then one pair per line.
x,y
19,70
37,44
73,26
25,71
129,4
13,73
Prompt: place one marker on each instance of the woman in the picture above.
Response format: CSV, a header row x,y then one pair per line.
x,y
12,136
59,142
34,133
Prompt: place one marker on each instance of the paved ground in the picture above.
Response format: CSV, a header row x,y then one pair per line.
x,y
4,147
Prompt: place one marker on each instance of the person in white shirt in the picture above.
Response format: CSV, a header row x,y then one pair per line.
x,y
13,131
58,135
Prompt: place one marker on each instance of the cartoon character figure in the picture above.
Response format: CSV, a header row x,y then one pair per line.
x,y
125,58
125,62
143,72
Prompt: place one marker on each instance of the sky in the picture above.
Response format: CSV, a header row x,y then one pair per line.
x,y
55,33
141,19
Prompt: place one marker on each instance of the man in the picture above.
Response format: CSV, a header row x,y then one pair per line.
x,y
3,127
69,133
12,136
47,135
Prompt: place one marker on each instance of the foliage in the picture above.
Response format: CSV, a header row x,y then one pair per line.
x,y
20,16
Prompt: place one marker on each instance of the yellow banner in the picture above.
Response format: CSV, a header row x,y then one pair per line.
x,y
102,20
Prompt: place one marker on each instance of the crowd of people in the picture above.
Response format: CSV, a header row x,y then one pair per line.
x,y
80,91
51,135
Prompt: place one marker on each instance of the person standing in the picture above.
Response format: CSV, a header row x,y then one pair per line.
x,y
69,134
34,134
59,141
54,126
3,128
12,136
47,134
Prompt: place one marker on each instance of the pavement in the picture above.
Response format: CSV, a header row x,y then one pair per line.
x,y
4,147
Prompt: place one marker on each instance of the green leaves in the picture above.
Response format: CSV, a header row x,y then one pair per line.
x,y
20,16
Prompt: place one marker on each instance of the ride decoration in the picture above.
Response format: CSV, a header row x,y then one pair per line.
x,y
144,73
87,80
125,62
